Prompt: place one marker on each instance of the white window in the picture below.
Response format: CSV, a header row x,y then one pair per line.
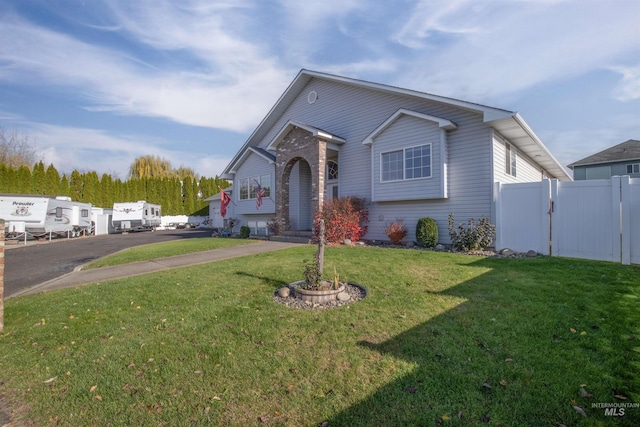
x,y
408,163
249,186
510,160
634,168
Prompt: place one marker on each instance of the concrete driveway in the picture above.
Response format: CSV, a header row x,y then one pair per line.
x,y
27,266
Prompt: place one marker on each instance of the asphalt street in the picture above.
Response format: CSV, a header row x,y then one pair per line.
x,y
35,263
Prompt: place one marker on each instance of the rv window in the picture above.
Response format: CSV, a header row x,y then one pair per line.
x,y
85,213
58,212
146,212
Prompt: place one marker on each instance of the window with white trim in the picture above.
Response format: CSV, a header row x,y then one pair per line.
x,y
249,186
510,159
408,163
633,168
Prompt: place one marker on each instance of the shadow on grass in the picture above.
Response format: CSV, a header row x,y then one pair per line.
x,y
275,283
517,352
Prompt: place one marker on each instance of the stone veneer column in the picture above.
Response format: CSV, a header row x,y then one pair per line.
x,y
1,274
299,145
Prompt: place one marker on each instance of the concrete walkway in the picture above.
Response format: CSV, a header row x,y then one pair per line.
x,y
95,275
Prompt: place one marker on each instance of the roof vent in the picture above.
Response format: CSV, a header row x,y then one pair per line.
x,y
312,97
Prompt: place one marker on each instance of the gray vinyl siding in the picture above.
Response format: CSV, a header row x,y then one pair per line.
x,y
407,132
526,169
254,166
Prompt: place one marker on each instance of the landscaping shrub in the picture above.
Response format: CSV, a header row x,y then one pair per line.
x,y
245,232
396,232
274,226
344,218
427,232
473,237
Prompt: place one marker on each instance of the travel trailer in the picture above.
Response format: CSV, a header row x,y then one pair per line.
x,y
41,215
136,216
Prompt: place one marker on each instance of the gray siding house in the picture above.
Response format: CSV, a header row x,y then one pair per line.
x,y
410,154
619,160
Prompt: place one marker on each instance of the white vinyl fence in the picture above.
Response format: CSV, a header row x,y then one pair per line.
x,y
592,219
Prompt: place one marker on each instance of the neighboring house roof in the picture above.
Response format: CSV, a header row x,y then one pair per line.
x,y
628,150
508,123
217,196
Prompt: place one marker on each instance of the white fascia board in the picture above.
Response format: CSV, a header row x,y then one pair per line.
x,y
442,123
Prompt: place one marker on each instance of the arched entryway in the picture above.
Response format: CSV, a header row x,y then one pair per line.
x,y
297,180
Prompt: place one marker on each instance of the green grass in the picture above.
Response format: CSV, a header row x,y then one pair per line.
x,y
207,345
165,249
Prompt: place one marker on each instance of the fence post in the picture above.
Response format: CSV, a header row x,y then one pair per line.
x,y
555,230
545,194
1,274
625,217
497,194
616,225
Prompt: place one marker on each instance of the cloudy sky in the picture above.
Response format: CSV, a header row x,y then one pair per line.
x,y
95,84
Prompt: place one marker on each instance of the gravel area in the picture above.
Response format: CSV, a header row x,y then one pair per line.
x,y
356,292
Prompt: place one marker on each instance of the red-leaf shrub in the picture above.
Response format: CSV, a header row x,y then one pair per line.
x,y
344,218
396,232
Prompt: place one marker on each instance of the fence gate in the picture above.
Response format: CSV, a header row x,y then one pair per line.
x,y
592,219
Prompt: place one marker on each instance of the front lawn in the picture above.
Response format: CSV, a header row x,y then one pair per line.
x,y
166,249
440,339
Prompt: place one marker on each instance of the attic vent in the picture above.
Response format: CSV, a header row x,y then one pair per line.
x,y
312,97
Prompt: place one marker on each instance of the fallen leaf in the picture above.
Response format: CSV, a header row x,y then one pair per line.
x,y
198,372
71,316
486,384
98,397
508,359
503,383
583,333
585,393
207,409
216,398
620,396
573,331
93,388
50,380
580,411
127,386
460,415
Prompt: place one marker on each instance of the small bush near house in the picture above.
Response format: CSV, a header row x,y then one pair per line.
x,y
427,232
344,218
245,232
473,237
396,232
274,226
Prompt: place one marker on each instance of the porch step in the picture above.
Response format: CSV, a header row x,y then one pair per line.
x,y
294,237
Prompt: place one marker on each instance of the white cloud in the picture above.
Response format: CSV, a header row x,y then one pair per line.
x,y
628,89
480,51
230,87
69,148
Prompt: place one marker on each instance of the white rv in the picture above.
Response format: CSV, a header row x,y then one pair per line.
x,y
40,215
136,216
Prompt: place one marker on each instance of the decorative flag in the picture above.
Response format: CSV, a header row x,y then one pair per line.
x,y
224,202
259,196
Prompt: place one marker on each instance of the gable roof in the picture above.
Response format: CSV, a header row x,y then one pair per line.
x,y
311,129
628,150
508,123
442,123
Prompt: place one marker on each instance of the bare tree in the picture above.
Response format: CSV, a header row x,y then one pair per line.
x,y
16,149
